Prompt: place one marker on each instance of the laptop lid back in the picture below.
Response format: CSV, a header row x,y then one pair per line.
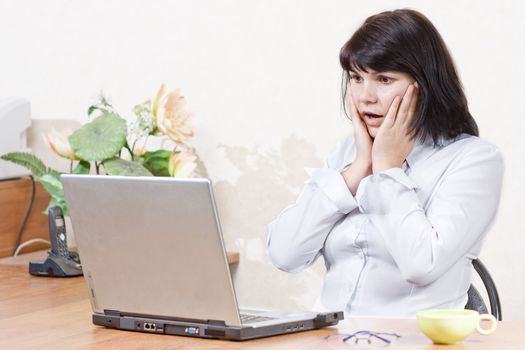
x,y
151,246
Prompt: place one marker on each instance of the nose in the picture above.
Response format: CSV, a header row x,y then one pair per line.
x,y
368,94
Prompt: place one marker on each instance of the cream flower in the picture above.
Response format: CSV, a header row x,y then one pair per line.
x,y
182,164
171,117
59,143
157,101
139,150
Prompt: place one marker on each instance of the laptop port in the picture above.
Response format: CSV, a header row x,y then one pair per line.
x,y
152,327
192,330
215,332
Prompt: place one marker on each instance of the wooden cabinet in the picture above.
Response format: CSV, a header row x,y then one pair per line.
x,y
15,196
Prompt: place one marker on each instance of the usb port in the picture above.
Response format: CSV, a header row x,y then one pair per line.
x,y
192,330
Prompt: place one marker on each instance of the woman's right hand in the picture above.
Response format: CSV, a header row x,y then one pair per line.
x,y
363,141
362,165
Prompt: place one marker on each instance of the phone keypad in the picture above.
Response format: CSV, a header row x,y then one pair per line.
x,y
62,245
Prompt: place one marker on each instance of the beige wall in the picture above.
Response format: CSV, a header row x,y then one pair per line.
x,y
263,80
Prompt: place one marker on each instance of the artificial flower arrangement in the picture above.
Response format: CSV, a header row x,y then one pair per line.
x,y
110,145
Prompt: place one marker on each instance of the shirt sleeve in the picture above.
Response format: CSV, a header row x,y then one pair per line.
x,y
296,237
425,241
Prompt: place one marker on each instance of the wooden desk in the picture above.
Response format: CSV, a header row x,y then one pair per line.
x,y
15,196
24,259
54,313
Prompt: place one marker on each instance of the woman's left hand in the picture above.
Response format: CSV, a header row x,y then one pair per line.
x,y
393,142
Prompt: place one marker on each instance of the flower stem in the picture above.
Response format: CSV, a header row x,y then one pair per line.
x,y
71,166
97,167
129,150
133,147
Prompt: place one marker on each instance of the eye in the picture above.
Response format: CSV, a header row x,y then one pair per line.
x,y
356,78
384,79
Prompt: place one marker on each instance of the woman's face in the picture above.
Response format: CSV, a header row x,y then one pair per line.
x,y
373,92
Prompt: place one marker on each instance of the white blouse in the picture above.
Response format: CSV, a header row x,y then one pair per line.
x,y
405,242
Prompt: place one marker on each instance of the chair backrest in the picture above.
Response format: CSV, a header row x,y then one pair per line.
x,y
475,301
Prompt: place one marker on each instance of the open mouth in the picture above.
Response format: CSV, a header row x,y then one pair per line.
x,y
372,116
373,120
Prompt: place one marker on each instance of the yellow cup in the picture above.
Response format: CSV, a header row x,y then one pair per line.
x,y
452,326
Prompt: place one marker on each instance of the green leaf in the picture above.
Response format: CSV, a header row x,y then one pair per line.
x,y
29,161
53,186
125,168
53,203
91,109
101,110
102,105
157,162
100,139
82,167
48,177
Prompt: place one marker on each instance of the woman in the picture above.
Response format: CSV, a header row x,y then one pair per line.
x,y
400,210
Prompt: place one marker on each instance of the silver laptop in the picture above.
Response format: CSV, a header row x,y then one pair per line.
x,y
154,261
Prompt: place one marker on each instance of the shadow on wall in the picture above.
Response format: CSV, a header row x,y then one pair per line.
x,y
269,181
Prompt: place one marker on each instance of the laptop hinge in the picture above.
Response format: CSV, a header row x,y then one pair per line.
x,y
216,323
112,313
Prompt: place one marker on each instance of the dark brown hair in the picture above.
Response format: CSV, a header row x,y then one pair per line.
x,y
406,41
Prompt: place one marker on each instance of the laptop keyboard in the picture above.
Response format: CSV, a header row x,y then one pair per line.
x,y
253,318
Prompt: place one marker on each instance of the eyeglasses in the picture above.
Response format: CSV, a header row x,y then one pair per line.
x,y
359,338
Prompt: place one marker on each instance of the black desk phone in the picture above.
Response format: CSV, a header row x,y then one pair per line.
x,y
60,261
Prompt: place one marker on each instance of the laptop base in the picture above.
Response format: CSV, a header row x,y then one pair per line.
x,y
214,330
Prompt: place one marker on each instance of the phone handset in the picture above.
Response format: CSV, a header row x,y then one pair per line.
x,y
57,232
60,261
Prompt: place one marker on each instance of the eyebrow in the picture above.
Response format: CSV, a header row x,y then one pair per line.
x,y
374,73
386,72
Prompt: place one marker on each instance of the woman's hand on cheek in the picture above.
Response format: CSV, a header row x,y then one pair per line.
x,y
362,165
393,143
363,141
